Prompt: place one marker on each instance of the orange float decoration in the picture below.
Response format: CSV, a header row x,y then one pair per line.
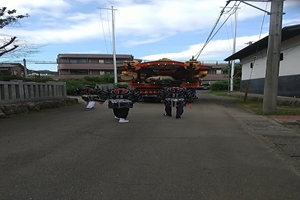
x,y
151,76
192,65
131,65
128,76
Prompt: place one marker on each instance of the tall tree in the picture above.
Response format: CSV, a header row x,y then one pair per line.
x,y
8,18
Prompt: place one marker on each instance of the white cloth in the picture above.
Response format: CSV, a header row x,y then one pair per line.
x,y
90,104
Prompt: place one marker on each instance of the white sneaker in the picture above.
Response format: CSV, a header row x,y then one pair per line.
x,y
117,117
122,120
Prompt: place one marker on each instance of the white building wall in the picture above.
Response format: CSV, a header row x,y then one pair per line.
x,y
259,66
290,65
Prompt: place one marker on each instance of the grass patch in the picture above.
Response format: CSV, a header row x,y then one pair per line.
x,y
219,93
254,106
288,110
257,107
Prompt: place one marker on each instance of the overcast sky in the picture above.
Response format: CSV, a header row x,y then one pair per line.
x,y
146,29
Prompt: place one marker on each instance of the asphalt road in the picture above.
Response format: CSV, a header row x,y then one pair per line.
x,y
217,151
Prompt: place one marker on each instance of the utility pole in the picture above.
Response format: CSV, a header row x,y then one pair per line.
x,y
273,54
232,63
234,47
113,43
114,46
25,68
273,57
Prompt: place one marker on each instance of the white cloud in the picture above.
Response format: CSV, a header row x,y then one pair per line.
x,y
217,49
34,7
153,20
137,23
73,33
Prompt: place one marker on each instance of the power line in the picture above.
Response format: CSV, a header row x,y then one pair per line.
x,y
211,35
103,32
30,61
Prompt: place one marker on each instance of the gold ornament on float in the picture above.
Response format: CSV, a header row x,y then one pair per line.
x,y
128,76
192,65
203,73
131,65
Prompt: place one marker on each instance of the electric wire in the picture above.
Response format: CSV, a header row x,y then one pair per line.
x,y
103,32
228,35
108,25
210,36
220,27
260,33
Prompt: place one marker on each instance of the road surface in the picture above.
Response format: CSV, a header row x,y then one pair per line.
x,y
217,151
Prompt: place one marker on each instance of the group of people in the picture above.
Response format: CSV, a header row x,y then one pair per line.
x,y
122,98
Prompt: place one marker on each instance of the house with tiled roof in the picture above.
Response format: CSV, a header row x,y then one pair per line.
x,y
16,69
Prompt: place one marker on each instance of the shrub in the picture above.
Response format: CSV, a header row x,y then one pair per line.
x,y
104,79
31,79
4,77
223,85
92,81
219,85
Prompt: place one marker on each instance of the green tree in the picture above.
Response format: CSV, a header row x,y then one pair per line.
x,y
9,17
237,69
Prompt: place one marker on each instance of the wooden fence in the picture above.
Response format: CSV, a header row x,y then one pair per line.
x,y
18,91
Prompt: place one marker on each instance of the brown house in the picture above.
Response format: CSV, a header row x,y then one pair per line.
x,y
16,69
81,65
215,72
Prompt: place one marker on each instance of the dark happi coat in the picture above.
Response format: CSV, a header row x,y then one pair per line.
x,y
122,97
117,98
175,96
86,92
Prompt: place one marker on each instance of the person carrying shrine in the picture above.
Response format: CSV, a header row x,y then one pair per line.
x,y
175,96
120,99
86,94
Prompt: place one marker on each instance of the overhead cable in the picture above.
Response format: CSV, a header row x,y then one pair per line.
x,y
103,31
211,35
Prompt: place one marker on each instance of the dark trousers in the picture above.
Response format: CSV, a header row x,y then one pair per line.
x,y
121,112
179,111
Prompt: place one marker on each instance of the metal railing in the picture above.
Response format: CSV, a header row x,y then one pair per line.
x,y
18,91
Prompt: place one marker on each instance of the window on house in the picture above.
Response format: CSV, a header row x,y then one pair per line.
x,y
82,60
79,72
93,60
101,72
14,72
77,60
119,61
213,71
108,61
71,60
251,65
62,60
